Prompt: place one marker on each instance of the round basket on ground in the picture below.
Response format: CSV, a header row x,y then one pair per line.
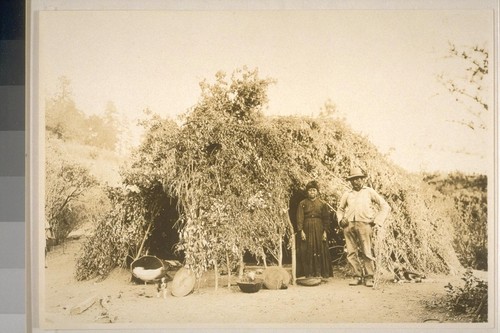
x,y
250,287
309,282
183,282
276,278
148,268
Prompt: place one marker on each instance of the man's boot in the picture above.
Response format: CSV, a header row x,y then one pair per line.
x,y
369,281
356,281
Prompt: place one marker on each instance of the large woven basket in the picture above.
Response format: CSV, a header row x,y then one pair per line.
x,y
276,278
148,268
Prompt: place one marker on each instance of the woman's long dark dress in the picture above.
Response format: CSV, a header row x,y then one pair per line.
x,y
314,257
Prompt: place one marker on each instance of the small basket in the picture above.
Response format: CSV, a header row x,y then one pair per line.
x,y
250,287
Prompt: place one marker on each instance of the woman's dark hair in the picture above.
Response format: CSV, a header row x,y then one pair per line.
x,y
312,184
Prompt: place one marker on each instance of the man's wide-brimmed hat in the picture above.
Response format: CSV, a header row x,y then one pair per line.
x,y
356,172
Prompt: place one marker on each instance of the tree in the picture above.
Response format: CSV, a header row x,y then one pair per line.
x,y
68,123
470,90
103,132
469,87
111,123
65,185
62,116
329,110
96,127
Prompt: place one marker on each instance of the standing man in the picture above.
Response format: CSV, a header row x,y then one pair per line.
x,y
312,224
358,213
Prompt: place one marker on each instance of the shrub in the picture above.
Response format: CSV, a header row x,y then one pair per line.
x,y
66,185
470,299
468,195
117,235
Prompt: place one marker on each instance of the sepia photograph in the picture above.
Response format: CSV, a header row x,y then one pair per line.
x,y
270,168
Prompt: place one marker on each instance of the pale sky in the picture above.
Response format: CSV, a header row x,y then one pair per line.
x,y
378,67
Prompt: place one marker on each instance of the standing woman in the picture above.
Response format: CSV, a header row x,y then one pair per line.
x,y
312,225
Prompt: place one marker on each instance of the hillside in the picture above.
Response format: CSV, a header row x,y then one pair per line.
x,y
75,188
102,163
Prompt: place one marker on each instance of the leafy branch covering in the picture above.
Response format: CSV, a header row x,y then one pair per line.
x,y
233,171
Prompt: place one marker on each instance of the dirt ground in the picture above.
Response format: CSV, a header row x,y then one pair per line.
x,y
119,301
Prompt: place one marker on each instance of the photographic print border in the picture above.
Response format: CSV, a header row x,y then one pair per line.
x,y
35,139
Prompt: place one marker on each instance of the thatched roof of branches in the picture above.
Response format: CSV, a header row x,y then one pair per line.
x,y
233,171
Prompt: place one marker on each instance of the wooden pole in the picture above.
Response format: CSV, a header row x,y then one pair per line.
x,y
84,305
264,258
228,271
216,272
143,241
242,267
294,251
280,252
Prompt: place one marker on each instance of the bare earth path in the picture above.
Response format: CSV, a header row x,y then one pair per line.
x,y
330,303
